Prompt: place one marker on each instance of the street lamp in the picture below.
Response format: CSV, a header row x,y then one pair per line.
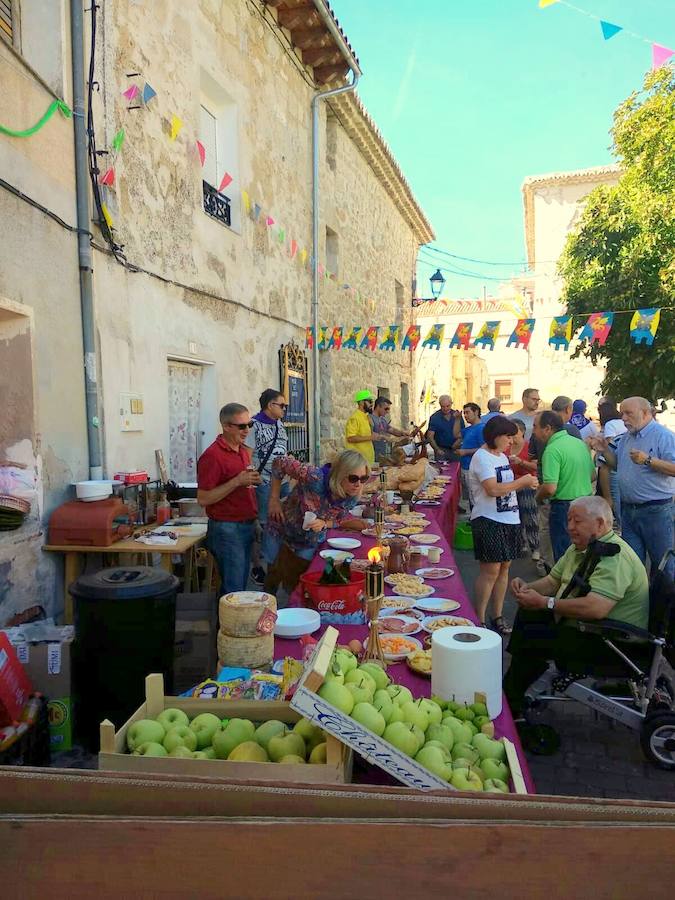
x,y
437,283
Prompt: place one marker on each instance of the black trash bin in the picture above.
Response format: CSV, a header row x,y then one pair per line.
x,y
125,620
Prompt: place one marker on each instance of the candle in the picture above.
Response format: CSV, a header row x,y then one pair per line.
x,y
379,515
374,574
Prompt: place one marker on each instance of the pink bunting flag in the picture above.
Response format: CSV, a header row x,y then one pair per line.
x,y
108,177
131,92
224,181
269,221
201,150
294,248
660,55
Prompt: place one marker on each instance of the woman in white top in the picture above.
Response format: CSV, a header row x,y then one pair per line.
x,y
613,427
495,520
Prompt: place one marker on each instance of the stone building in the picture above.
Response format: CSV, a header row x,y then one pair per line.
x,y
209,269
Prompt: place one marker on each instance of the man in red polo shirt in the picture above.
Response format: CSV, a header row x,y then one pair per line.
x,y
226,485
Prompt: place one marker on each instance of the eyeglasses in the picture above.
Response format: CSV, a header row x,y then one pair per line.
x,y
354,479
243,427
281,405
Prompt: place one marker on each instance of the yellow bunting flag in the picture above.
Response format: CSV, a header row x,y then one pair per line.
x,y
107,216
176,126
303,257
246,200
544,3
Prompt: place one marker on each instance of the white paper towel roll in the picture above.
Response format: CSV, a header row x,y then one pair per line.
x,y
465,661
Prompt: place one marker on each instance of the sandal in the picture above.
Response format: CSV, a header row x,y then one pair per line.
x,y
500,626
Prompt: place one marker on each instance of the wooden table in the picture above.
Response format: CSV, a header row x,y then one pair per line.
x,y
74,561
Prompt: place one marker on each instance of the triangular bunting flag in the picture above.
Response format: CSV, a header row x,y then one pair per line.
x,y
609,30
131,92
108,177
520,337
644,325
294,248
597,329
246,200
269,221
660,55
118,140
390,338
107,216
256,211
303,257
487,336
560,332
544,3
176,126
281,235
462,336
224,181
201,150
148,93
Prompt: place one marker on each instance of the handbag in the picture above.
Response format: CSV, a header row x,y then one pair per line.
x,y
270,449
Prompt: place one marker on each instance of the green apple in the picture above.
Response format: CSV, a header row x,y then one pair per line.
x,y
383,704
290,744
180,751
150,748
479,721
440,746
419,734
465,751
487,748
402,736
480,709
205,727
466,780
472,727
399,694
250,751
292,759
224,722
433,759
433,711
360,694
169,718
201,754
318,755
488,728
369,717
441,733
496,786
236,732
414,714
315,740
335,672
335,693
396,714
362,679
306,729
459,729
145,731
377,673
495,769
180,736
346,660
462,763
208,752
465,713
439,701
268,730
452,705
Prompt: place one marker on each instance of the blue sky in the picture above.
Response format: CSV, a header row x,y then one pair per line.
x,y
474,95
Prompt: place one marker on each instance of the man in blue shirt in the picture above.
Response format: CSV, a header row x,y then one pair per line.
x,y
494,409
645,464
445,429
472,439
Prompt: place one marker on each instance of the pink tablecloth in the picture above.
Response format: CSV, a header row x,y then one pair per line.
x,y
443,519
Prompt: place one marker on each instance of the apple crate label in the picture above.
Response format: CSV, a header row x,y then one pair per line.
x,y
23,653
54,659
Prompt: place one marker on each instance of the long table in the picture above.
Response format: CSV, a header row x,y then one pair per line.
x,y
442,519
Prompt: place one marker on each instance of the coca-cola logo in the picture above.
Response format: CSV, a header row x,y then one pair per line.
x,y
331,605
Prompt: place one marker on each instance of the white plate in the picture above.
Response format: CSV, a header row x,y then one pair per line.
x,y
437,605
337,555
405,619
426,539
428,591
293,622
344,543
394,657
427,572
428,503
428,620
391,580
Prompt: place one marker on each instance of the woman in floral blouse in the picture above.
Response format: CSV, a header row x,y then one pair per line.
x,y
330,492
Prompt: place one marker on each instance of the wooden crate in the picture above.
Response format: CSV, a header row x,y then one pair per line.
x,y
114,755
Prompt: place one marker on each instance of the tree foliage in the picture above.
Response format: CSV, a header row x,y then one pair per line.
x,y
622,255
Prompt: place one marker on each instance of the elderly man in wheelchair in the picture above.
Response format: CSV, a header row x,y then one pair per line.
x,y
597,619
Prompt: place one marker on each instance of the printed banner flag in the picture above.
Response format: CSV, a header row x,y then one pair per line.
x,y
369,340
560,332
598,327
353,338
435,336
644,325
412,338
323,337
521,333
391,336
462,336
309,337
335,341
487,335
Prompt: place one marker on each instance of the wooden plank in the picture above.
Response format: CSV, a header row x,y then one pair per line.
x,y
89,857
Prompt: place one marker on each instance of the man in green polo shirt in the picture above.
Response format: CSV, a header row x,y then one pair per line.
x,y
543,629
567,473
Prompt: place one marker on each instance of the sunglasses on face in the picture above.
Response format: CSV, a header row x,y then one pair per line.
x,y
282,405
243,427
355,479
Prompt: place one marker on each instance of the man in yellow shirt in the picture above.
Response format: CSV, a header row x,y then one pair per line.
x,y
358,431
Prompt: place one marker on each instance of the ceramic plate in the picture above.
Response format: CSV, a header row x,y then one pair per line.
x,y
408,622
424,591
344,543
434,623
437,604
425,538
412,644
428,503
337,555
434,572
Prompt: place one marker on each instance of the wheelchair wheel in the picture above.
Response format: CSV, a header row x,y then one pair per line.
x,y
657,738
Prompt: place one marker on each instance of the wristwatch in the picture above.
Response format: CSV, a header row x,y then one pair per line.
x,y
648,461
550,603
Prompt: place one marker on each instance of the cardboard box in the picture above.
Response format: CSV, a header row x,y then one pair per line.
x,y
114,753
374,749
15,686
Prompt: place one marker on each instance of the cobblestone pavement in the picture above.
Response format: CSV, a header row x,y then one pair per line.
x,y
597,757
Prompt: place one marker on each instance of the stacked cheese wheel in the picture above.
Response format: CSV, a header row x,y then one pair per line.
x,y
240,641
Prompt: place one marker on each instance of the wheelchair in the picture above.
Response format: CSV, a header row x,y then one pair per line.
x,y
638,691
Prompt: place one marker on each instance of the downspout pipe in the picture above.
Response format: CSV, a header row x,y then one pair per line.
x,y
316,100
90,361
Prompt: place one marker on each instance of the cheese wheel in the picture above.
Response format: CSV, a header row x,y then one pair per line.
x,y
248,652
240,611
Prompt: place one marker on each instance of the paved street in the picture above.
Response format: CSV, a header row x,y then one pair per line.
x,y
597,758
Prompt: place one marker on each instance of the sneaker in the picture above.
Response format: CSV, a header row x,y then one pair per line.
x,y
258,575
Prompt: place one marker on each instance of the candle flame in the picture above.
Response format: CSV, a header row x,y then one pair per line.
x,y
374,555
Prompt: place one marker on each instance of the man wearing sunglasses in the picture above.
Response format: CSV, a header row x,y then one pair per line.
x,y
359,430
226,483
268,441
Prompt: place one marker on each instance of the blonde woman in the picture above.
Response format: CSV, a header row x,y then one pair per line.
x,y
328,491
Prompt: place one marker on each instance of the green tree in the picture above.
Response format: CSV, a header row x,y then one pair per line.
x,y
622,255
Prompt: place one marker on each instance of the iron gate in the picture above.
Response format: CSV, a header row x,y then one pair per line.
x,y
294,383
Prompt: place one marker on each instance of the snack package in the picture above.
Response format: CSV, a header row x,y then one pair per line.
x,y
240,684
